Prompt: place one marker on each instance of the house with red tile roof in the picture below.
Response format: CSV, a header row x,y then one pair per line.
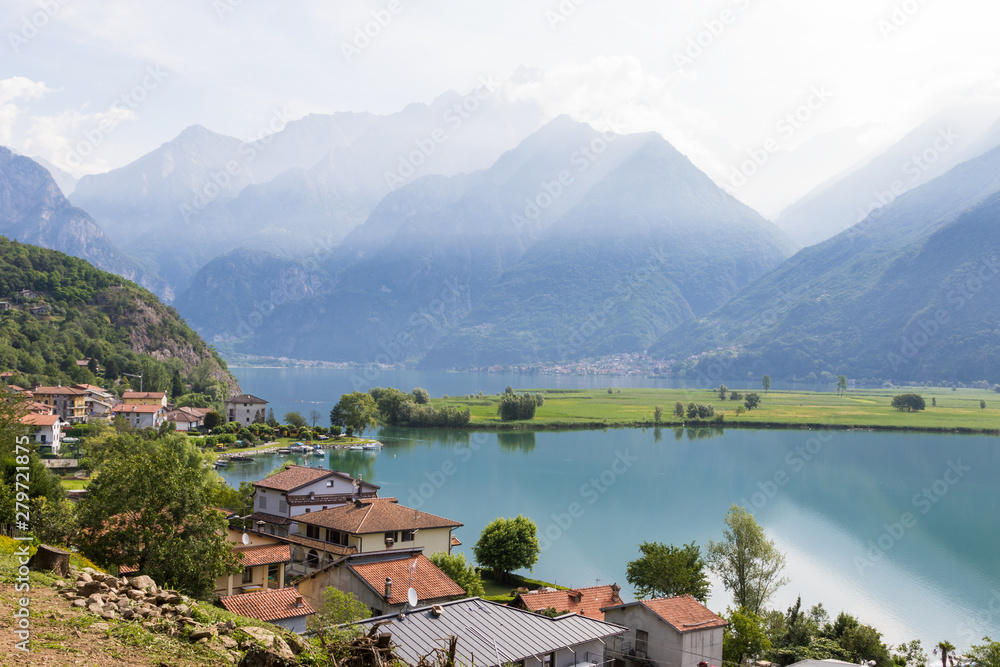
x,y
379,524
677,631
284,607
381,580
69,402
145,398
140,416
185,419
584,601
298,490
45,430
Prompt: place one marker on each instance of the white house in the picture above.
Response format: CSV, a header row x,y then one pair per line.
x,y
671,632
491,634
244,409
46,430
300,490
140,416
185,419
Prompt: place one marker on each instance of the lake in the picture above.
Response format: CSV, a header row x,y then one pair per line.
x,y
899,529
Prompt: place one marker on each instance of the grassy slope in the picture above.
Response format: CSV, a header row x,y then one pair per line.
x,y
858,408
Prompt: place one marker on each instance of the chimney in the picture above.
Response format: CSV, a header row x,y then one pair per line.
x,y
298,601
388,588
389,542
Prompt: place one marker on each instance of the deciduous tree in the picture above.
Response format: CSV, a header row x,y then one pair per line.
x,y
355,411
765,382
461,572
506,545
665,570
748,563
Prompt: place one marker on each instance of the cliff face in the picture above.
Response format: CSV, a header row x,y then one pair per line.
x,y
34,210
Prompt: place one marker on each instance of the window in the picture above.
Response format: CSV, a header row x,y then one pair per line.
x,y
282,506
407,536
263,502
312,532
336,537
641,642
394,536
248,575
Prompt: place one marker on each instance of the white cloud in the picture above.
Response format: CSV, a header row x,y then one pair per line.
x,y
11,90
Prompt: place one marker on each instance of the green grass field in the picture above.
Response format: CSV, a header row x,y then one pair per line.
x,y
858,408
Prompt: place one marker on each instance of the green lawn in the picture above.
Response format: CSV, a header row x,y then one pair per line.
x,y
861,408
74,484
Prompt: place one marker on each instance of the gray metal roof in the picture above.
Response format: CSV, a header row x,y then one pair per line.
x,y
492,633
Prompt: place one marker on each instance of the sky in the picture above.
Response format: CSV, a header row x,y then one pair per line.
x,y
818,86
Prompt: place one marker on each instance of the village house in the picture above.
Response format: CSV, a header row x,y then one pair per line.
x,y
98,401
70,403
264,560
39,311
186,419
584,601
671,632
490,634
6,305
244,409
145,398
381,580
140,416
45,430
378,524
300,490
283,607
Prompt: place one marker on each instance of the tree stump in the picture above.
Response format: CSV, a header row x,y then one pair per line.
x,y
50,558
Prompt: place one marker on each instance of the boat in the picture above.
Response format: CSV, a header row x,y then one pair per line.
x,y
318,449
373,445
357,448
299,447
284,450
221,462
241,458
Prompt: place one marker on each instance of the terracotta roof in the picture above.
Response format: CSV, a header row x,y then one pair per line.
x,y
428,580
276,519
90,387
455,542
121,407
298,476
377,515
181,416
245,398
158,395
58,391
682,612
269,605
264,554
584,601
41,408
34,419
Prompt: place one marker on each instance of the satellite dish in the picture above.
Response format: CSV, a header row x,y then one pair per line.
x,y
246,538
411,597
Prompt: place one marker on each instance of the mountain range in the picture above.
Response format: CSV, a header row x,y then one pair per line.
x,y
456,239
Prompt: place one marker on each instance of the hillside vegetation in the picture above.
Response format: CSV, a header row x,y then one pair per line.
x,y
92,314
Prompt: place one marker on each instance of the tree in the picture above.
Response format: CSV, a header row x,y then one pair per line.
x,y
909,402
421,396
982,404
355,411
911,654
314,416
748,563
462,573
148,507
506,545
53,522
516,406
945,648
338,608
765,382
752,400
213,420
841,385
657,414
722,391
984,655
679,410
295,419
744,639
665,570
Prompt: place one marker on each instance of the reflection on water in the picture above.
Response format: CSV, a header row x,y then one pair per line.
x,y
516,441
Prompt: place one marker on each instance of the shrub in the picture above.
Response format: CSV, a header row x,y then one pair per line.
x,y
909,402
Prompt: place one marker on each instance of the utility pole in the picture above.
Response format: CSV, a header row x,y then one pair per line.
x,y
136,376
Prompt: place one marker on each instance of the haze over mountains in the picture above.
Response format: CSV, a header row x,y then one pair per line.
x,y
468,232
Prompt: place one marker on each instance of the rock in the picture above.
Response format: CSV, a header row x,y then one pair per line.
x,y
134,595
206,634
95,609
142,583
296,643
259,657
85,578
123,582
182,609
228,642
172,597
109,614
113,582
88,588
187,620
282,649
265,637
96,598
128,614
79,604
